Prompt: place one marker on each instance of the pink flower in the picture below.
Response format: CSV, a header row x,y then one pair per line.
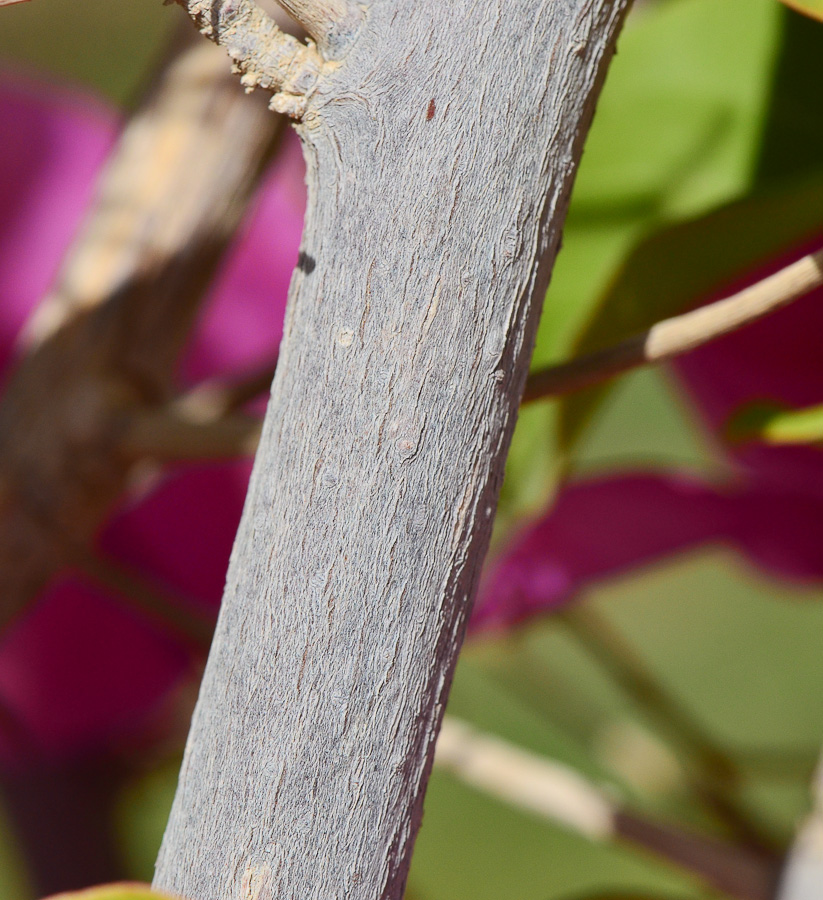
x,y
770,511
81,670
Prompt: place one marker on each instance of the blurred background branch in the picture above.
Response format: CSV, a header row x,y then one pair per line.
x,y
105,345
683,333
107,338
560,794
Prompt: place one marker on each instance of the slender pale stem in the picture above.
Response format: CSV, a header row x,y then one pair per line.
x,y
562,795
677,335
671,337
549,789
803,875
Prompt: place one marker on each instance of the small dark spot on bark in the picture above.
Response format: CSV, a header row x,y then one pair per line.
x,y
430,111
305,262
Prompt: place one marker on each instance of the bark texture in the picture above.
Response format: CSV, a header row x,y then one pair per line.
x,y
441,152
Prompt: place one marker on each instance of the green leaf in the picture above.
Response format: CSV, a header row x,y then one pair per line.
x,y
813,8
119,891
676,268
769,423
785,146
675,134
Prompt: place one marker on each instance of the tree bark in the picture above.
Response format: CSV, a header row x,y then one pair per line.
x,y
441,151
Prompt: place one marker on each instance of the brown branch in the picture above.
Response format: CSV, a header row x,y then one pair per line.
x,y
677,335
168,434
107,338
560,794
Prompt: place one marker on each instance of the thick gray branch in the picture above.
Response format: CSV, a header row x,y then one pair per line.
x,y
440,162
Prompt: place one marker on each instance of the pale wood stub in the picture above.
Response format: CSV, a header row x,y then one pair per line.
x,y
441,153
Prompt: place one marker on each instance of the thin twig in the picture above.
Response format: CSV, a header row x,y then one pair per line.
x,y
663,341
203,423
547,788
15,733
560,794
677,335
184,621
211,399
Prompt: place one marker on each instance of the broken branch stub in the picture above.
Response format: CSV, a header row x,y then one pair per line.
x,y
260,52
440,162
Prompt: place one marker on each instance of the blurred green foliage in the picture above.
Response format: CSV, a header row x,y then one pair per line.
x,y
690,120
770,424
677,265
108,47
676,134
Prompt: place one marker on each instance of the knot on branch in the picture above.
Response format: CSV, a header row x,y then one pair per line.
x,y
269,58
